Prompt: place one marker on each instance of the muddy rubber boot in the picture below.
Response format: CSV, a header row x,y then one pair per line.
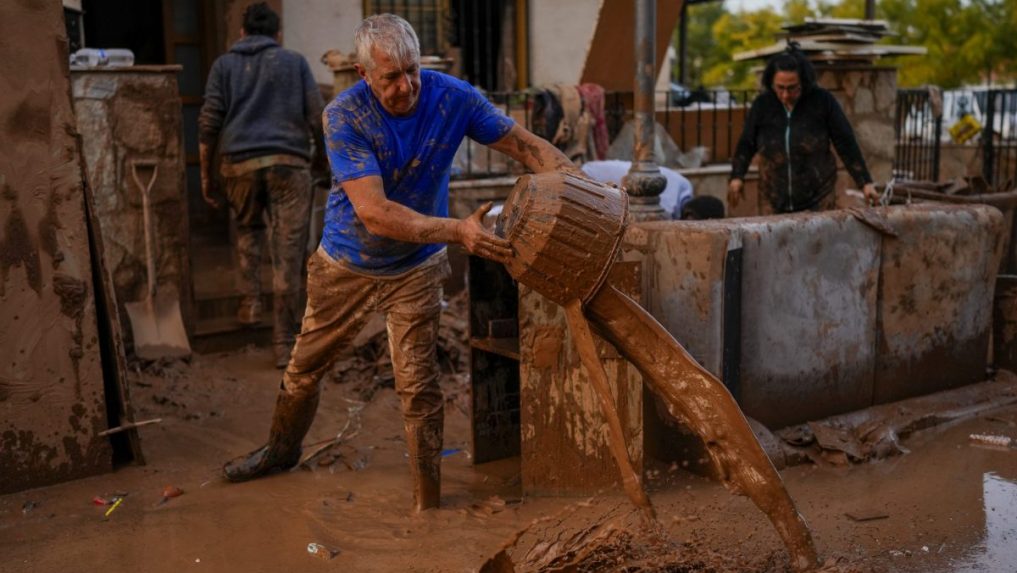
x,y
423,440
290,422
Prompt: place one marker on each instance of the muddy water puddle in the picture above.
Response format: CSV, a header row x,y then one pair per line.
x,y
957,500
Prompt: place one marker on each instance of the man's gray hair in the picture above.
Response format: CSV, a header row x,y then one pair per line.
x,y
390,34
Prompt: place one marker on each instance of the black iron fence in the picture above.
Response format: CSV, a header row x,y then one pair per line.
x,y
918,131
999,136
926,120
704,125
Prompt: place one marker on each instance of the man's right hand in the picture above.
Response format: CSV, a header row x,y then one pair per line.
x,y
481,242
209,190
734,192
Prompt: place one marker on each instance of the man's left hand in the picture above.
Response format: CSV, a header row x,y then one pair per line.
x,y
481,242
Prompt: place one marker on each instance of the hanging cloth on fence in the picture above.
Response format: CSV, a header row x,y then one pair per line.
x,y
574,130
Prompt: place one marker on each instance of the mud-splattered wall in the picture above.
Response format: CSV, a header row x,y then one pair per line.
x,y
125,115
51,387
834,316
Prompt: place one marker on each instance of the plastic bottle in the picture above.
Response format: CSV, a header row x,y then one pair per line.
x,y
98,57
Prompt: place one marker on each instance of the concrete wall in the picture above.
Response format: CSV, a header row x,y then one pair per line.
x,y
560,36
313,27
52,403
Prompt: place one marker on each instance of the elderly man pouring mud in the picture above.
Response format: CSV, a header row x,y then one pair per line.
x,y
391,139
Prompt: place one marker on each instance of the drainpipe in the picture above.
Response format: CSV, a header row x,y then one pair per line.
x,y
644,180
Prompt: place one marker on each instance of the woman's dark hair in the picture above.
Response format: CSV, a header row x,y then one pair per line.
x,y
790,60
260,20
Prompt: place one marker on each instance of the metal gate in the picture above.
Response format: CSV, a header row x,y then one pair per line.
x,y
918,131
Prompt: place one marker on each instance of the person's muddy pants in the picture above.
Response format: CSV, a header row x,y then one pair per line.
x,y
339,303
284,192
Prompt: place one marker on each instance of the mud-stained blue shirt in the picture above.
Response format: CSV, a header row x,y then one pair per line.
x,y
413,156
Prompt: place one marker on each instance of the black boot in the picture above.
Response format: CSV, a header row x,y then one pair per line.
x,y
290,422
423,440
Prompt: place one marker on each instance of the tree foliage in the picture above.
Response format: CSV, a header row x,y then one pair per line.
x,y
968,41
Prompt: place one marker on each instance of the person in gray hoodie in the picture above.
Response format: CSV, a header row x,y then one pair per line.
x,y
262,111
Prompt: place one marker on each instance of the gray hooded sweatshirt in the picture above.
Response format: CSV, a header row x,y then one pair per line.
x,y
260,99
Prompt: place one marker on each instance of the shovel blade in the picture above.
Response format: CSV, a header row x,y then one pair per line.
x,y
158,329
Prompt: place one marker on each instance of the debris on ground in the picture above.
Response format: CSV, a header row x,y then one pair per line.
x,y
169,492
321,552
876,432
992,440
612,536
867,514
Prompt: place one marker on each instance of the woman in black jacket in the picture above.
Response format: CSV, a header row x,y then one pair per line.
x,y
791,125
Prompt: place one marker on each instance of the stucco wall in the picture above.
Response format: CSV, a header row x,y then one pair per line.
x,y
313,27
560,35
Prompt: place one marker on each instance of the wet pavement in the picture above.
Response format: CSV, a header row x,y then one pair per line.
x,y
947,506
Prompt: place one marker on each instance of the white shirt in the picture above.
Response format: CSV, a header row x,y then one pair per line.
x,y
677,192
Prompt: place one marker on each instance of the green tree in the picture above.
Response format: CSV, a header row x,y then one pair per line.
x,y
968,41
717,35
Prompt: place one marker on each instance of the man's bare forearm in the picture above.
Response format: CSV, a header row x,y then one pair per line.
x,y
537,154
205,150
396,221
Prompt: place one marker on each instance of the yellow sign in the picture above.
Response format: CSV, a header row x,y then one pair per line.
x,y
965,128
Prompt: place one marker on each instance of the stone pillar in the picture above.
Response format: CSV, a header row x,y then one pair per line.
x,y
124,115
868,95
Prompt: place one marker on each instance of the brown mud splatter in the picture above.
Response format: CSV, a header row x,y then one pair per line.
x,y
16,249
47,228
543,217
31,119
73,293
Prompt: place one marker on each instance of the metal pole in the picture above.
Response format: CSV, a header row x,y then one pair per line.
x,y
644,181
870,9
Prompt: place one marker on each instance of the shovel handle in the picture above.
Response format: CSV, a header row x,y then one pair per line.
x,y
146,214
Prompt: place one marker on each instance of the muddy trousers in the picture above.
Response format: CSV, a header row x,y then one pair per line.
x,y
339,303
283,192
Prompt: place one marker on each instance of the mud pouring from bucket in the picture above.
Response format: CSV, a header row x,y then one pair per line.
x,y
566,233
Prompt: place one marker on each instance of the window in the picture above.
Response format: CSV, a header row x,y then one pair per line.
x,y
426,16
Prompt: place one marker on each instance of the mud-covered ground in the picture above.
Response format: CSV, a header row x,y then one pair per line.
x,y
947,506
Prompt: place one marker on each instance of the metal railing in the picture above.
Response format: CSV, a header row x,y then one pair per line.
x,y
918,132
710,119
999,136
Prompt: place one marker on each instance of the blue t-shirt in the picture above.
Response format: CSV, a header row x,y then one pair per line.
x,y
413,156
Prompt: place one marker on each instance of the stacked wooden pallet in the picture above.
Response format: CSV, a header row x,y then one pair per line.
x,y
835,40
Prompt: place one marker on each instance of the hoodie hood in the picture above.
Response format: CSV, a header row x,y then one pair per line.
x,y
253,44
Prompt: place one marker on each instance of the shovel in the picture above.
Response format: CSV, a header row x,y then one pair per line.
x,y
155,321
